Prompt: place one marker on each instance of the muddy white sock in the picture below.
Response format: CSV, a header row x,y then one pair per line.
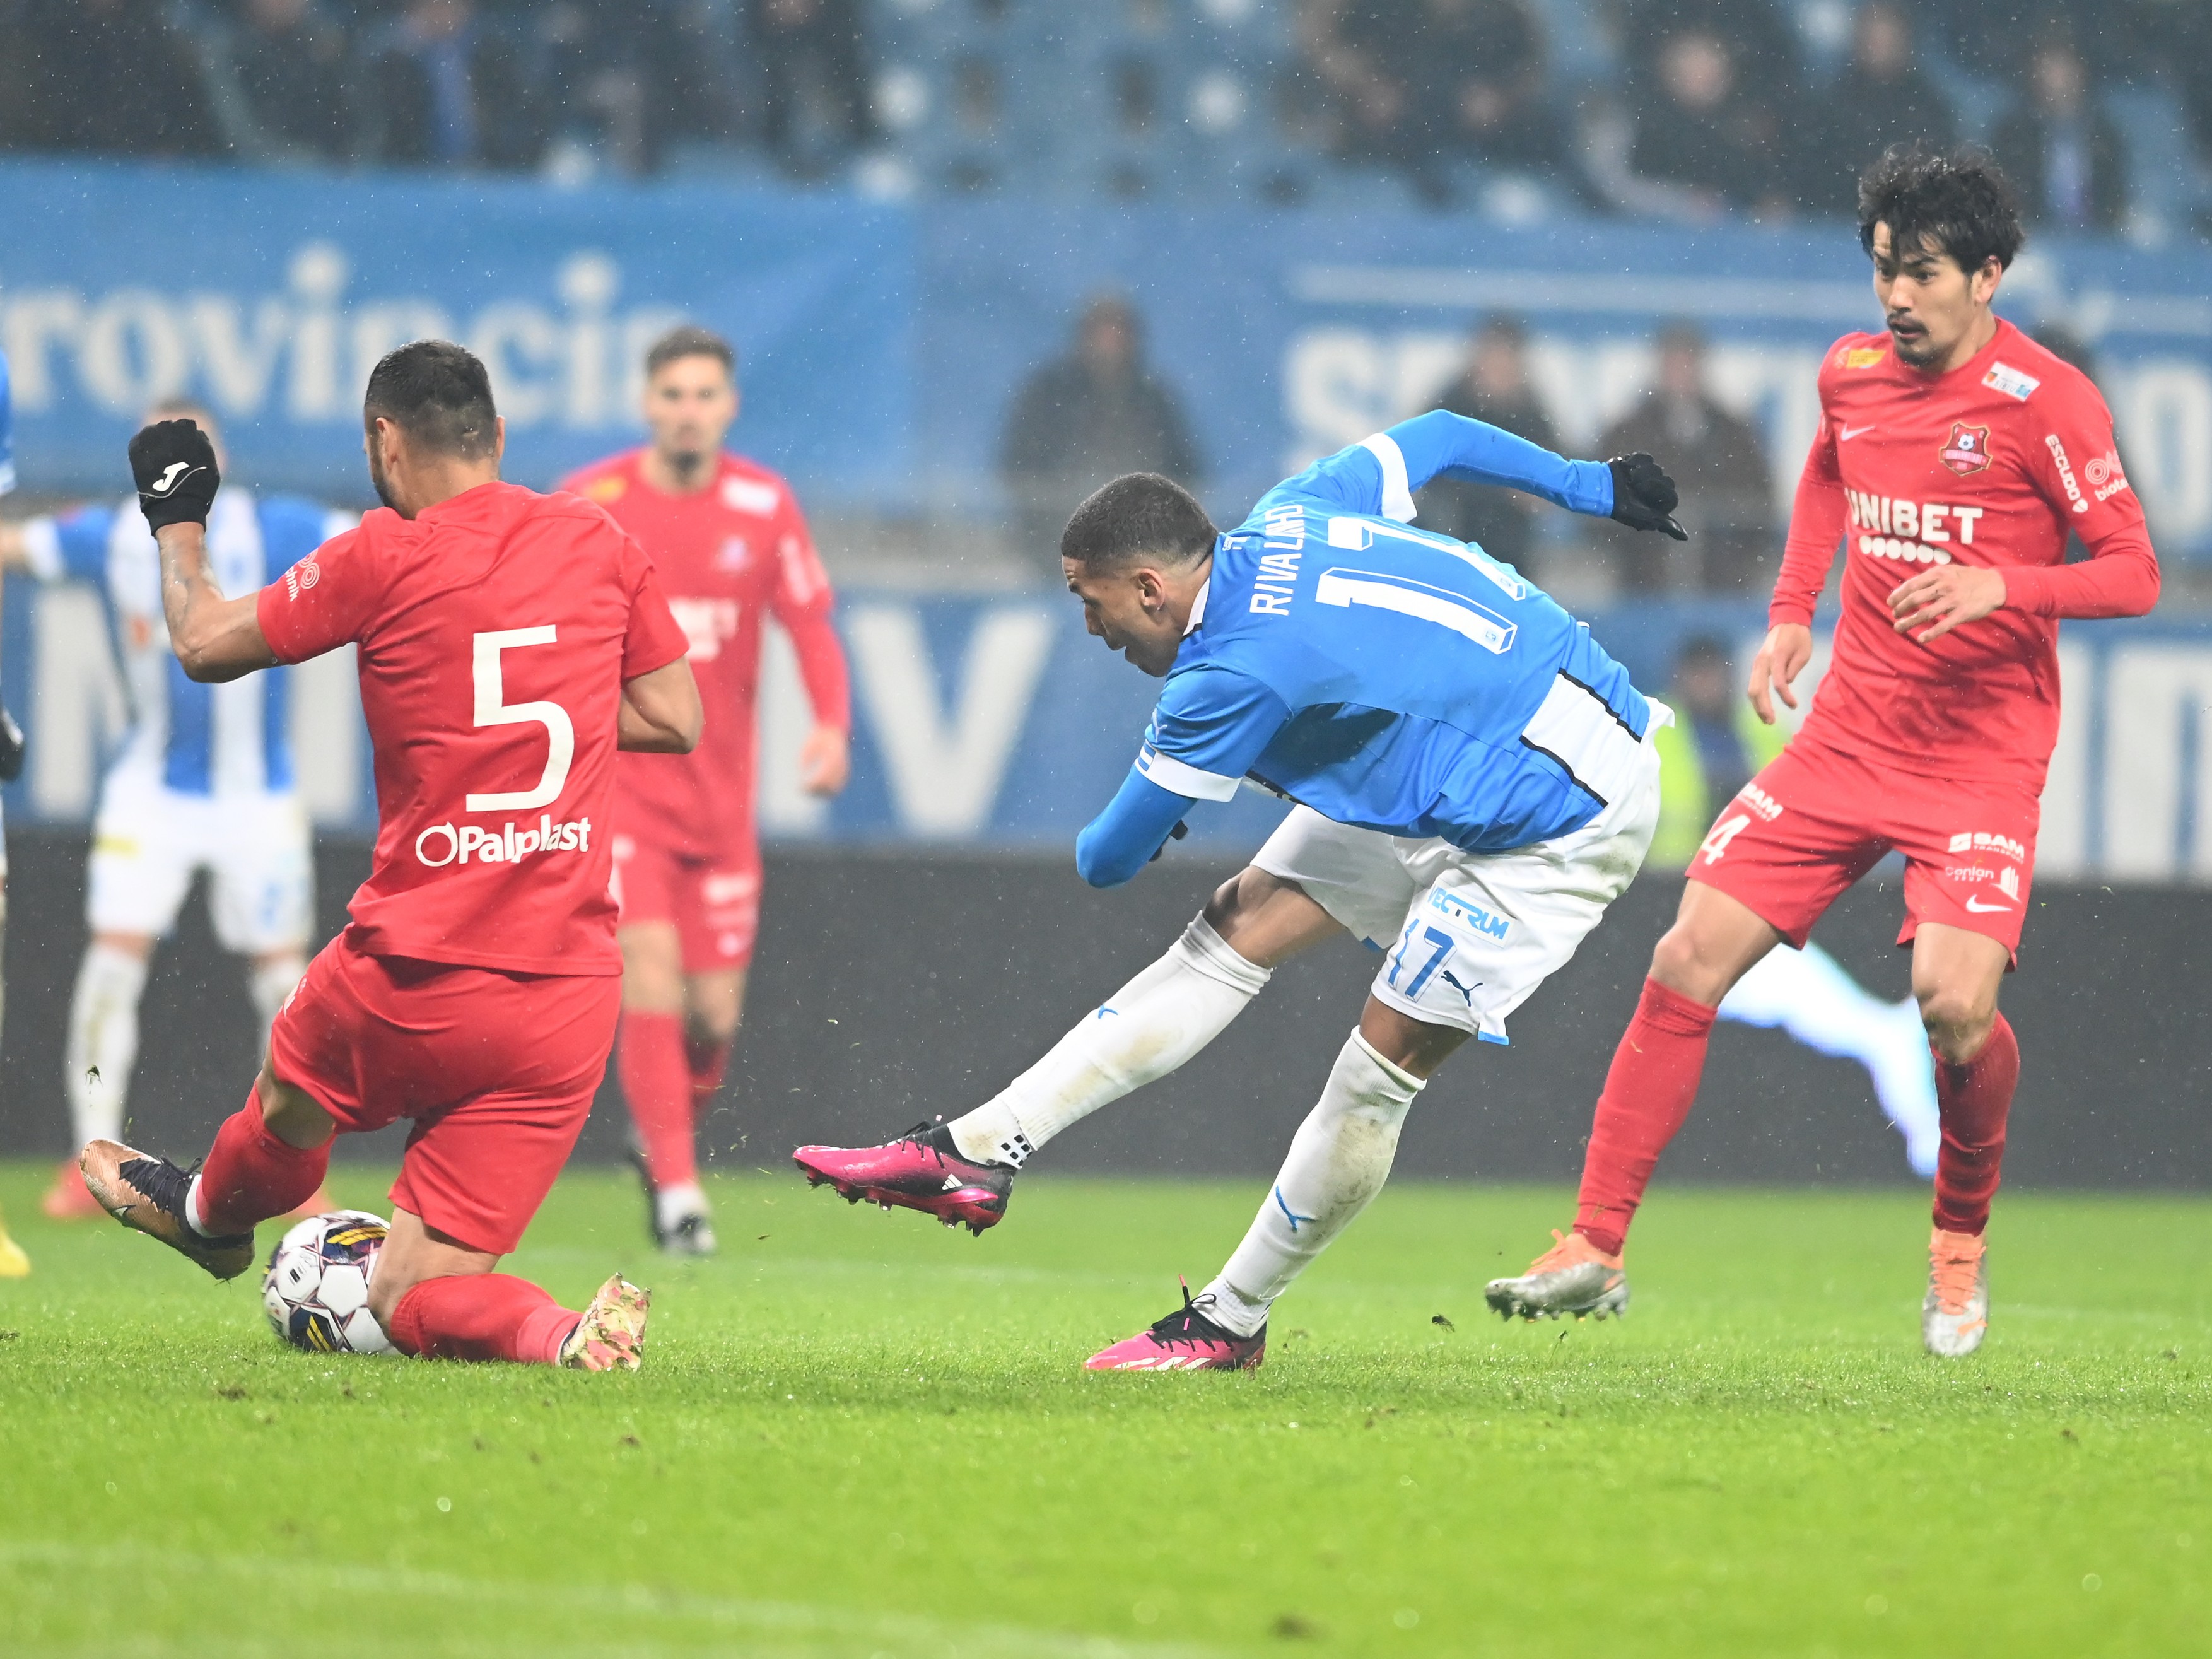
x,y
1338,1160
1142,1032
103,1041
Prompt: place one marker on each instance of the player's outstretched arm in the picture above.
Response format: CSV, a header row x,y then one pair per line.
x,y
1138,822
213,638
661,713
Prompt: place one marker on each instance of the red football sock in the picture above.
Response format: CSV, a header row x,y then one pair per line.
x,y
1974,1100
250,1174
1648,1093
708,1060
657,1083
481,1317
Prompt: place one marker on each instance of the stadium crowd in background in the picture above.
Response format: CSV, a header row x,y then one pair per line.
x,y
1679,109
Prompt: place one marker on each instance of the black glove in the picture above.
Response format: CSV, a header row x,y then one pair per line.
x,y
11,747
1176,833
1644,497
174,465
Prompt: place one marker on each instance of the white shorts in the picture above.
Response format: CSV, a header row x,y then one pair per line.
x,y
148,842
1466,937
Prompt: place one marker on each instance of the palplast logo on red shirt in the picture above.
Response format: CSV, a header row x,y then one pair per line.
x,y
1966,450
442,844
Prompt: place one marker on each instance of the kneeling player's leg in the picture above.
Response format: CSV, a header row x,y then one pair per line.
x,y
439,1299
1155,1022
1338,1160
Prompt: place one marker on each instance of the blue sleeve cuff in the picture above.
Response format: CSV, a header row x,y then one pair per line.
x,y
1121,840
1440,442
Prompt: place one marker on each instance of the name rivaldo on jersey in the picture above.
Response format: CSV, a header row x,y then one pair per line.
x,y
1911,531
1278,576
506,845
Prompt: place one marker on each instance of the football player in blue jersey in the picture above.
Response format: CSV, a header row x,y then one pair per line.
x,y
1475,778
204,780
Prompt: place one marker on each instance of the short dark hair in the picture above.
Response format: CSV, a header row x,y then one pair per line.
x,y
439,394
690,340
1139,514
1957,202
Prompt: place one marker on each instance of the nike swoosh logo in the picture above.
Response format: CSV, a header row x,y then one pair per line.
x,y
1851,432
1974,904
170,478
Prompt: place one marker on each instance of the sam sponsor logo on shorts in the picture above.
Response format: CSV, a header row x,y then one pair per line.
x,y
1980,840
1760,802
442,844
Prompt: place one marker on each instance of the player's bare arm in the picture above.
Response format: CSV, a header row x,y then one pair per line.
x,y
215,638
661,713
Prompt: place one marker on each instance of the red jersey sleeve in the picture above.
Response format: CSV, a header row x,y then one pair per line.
x,y
801,602
654,640
1816,525
326,600
2076,467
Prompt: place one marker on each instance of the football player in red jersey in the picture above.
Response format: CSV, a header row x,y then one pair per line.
x,y
509,643
731,548
1954,456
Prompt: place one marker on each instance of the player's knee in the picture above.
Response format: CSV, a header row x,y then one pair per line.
x,y
1958,1021
1682,961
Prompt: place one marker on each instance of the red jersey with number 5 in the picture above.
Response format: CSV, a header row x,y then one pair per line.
x,y
1992,464
495,631
728,555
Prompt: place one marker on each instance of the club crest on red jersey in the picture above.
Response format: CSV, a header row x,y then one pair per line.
x,y
1967,449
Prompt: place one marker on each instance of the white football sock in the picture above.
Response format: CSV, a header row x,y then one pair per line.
x,y
1142,1032
271,985
103,1039
672,1205
1338,1160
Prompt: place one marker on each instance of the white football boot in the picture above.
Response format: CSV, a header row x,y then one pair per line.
x,y
1955,1316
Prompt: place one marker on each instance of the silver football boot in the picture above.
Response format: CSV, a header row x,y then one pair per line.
x,y
1573,1277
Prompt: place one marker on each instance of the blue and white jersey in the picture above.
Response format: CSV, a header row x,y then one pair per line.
x,y
196,738
1390,678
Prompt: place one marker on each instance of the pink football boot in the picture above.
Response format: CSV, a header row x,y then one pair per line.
x,y
1186,1341
922,1170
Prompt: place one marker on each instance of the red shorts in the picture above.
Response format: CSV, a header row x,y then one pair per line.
x,y
1816,820
496,1069
714,903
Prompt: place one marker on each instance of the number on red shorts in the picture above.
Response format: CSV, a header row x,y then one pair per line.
x,y
1723,833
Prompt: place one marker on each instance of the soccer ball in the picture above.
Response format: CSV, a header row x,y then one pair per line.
x,y
316,1292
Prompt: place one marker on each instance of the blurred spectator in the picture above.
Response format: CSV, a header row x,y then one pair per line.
x,y
1720,464
289,68
2063,154
626,78
1715,745
447,86
1881,98
1493,386
2179,34
110,76
814,80
1703,132
1420,83
1085,418
1764,45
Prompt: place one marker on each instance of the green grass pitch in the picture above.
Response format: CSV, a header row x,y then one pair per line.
x,y
857,1434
